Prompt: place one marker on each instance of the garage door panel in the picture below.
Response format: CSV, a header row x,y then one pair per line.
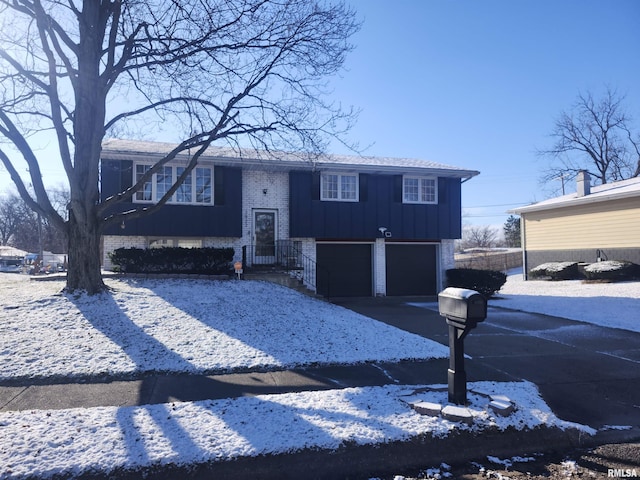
x,y
411,269
344,270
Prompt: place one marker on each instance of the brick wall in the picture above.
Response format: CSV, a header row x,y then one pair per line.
x,y
447,260
380,268
254,184
113,242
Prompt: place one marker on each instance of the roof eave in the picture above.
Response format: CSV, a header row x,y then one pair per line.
x,y
251,162
574,202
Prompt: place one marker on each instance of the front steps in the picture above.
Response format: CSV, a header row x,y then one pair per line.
x,y
281,278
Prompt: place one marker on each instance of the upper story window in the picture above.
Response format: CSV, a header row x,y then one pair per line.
x,y
419,190
197,188
339,187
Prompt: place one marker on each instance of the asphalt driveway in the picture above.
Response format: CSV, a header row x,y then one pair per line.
x,y
586,373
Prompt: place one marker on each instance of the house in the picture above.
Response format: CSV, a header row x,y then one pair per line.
x,y
592,224
11,259
362,226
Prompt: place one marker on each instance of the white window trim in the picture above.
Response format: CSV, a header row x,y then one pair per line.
x,y
174,175
419,201
340,176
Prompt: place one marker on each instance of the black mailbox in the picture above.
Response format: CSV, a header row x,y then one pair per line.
x,y
463,309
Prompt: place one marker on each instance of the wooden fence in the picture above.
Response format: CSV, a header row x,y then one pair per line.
x,y
490,260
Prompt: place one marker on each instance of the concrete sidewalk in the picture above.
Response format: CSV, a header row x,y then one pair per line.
x,y
586,374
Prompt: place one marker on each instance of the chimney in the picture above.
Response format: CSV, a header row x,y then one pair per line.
x,y
583,183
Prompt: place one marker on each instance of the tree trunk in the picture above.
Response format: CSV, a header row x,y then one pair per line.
x,y
84,256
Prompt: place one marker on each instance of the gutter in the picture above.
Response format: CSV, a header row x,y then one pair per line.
x,y
299,164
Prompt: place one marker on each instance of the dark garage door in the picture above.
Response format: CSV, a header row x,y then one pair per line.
x,y
344,270
411,269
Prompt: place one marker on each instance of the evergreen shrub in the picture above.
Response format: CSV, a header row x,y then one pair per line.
x,y
203,261
556,271
612,270
485,282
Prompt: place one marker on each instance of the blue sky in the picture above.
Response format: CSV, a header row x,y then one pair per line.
x,y
479,84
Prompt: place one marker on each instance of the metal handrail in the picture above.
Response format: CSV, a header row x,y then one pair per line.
x,y
285,256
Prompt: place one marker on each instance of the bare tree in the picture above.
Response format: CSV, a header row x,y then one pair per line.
x,y
596,136
479,236
23,228
12,214
221,69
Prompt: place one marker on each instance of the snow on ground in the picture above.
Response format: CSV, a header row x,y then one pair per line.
x,y
608,304
76,441
193,326
199,326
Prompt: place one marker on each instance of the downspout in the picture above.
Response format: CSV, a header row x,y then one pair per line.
x,y
523,245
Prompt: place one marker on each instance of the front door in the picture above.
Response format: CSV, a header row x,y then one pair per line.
x,y
264,236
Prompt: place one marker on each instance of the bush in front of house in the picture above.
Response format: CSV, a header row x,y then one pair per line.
x,y
612,270
485,282
203,261
556,271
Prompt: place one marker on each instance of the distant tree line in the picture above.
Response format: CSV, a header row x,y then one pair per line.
x,y
22,228
488,236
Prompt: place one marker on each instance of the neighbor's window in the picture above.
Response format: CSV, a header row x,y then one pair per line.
x,y
197,188
338,187
419,190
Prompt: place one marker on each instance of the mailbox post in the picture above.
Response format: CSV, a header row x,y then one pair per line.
x,y
463,310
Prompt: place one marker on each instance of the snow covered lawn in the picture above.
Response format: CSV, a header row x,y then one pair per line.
x,y
614,305
193,326
205,327
76,441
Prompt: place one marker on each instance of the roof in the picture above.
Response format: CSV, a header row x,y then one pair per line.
x,y
134,149
602,193
7,251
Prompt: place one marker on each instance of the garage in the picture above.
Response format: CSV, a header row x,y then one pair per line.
x,y
411,269
344,270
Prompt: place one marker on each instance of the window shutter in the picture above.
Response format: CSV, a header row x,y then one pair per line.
x,y
363,181
218,186
315,186
397,188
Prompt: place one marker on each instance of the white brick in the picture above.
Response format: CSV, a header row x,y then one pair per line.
x,y
254,184
447,260
113,242
380,266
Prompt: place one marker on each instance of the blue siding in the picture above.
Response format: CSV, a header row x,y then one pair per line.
x,y
380,205
224,219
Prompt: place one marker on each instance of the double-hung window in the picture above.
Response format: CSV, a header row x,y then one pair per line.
x,y
419,189
145,194
196,189
339,187
184,194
